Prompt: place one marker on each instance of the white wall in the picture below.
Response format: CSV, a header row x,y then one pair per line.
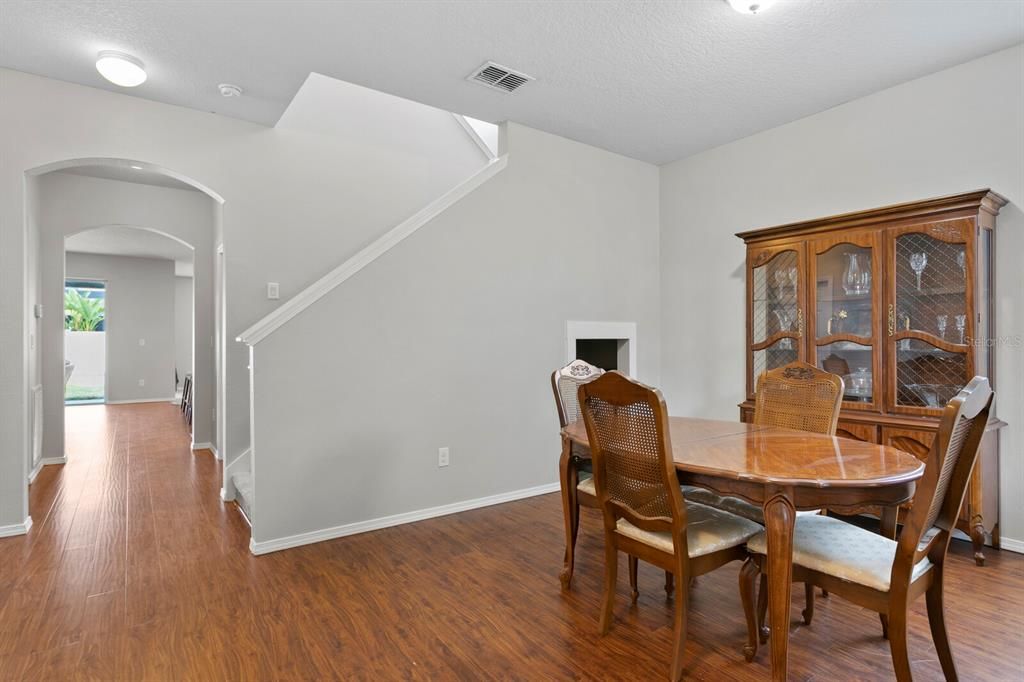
x,y
295,205
71,203
183,326
957,130
139,322
449,339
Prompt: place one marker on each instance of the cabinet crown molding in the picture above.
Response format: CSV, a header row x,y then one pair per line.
x,y
967,203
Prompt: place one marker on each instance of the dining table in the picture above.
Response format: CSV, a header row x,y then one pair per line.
x,y
783,471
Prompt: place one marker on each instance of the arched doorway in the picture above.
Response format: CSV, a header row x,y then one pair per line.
x,y
71,199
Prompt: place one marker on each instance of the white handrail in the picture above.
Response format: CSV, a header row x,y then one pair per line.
x,y
360,260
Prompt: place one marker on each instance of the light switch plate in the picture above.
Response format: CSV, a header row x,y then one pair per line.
x,y
273,291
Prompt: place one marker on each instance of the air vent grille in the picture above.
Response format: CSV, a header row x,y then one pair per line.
x,y
499,77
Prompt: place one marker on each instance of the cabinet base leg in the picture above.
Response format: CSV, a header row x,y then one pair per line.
x,y
978,540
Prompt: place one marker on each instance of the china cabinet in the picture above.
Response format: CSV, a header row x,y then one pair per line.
x,y
899,302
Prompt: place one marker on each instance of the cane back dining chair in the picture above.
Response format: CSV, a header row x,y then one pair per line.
x,y
645,514
579,480
795,396
881,574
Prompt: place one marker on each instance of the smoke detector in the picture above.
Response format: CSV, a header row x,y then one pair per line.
x,y
498,77
229,90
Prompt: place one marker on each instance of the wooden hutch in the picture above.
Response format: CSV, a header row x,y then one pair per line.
x,y
897,300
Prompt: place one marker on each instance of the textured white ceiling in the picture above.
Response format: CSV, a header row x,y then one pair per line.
x,y
117,240
652,80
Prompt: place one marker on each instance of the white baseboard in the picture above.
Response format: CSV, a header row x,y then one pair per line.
x,y
140,400
16,528
1012,545
204,446
35,472
47,461
267,546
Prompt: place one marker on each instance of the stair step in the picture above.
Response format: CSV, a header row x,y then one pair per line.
x,y
244,493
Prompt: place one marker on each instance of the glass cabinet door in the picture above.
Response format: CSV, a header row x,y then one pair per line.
x,y
846,277
930,314
776,285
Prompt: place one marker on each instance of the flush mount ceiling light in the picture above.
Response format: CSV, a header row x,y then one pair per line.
x,y
229,90
120,68
750,6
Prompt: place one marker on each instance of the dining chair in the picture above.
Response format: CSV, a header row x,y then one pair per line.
x,y
580,483
795,396
645,514
885,575
565,383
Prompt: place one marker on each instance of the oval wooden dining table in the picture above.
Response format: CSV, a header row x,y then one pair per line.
x,y
783,471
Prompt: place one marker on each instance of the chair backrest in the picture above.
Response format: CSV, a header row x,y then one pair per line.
x,y
940,491
635,476
799,396
565,382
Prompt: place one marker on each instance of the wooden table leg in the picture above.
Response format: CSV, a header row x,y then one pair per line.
x,y
779,516
887,522
570,508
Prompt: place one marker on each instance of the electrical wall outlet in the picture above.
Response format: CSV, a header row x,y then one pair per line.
x,y
443,457
142,342
142,382
273,291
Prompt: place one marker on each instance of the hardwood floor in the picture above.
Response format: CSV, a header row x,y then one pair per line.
x,y
135,570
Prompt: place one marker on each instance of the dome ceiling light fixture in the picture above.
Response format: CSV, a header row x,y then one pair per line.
x,y
750,6
229,90
120,68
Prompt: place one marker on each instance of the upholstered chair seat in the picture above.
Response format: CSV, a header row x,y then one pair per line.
x,y
586,485
707,530
842,550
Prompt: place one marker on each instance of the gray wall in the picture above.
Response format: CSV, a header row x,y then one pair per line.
x,y
954,131
449,340
295,205
183,326
140,306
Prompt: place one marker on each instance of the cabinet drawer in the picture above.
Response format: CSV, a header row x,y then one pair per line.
x,y
916,442
857,431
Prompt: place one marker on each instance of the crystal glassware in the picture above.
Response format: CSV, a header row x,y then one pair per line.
x,y
961,325
785,321
961,260
856,279
940,324
791,273
918,262
903,320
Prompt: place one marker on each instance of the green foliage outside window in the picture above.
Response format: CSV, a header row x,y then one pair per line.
x,y
81,313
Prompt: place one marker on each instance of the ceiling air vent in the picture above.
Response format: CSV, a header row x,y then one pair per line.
x,y
499,77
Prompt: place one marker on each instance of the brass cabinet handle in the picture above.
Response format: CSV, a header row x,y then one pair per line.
x,y
892,319
800,322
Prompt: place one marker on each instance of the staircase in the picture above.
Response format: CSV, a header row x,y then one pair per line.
x,y
242,481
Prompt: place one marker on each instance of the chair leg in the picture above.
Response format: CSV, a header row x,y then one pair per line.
x,y
611,573
633,563
678,647
808,612
570,511
748,584
937,621
824,593
670,584
884,619
762,609
898,644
